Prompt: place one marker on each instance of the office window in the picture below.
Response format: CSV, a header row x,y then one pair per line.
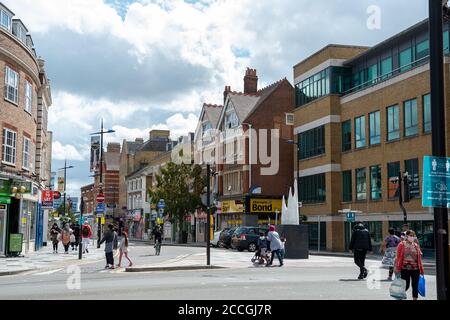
x,y
9,146
446,43
28,97
410,116
26,154
375,182
361,192
312,189
312,142
372,74
313,88
422,49
374,128
11,85
386,68
360,132
5,20
412,167
347,186
347,135
427,113
393,124
405,60
393,172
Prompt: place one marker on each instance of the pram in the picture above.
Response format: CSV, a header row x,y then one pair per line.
x,y
262,256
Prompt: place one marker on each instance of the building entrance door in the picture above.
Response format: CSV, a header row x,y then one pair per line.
x,y
3,212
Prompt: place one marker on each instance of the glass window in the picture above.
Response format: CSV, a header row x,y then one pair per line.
x,y
405,60
410,116
393,124
393,172
231,120
313,88
347,186
312,189
412,168
386,68
5,20
427,113
12,85
422,49
26,153
9,146
360,132
375,182
372,73
312,142
446,43
375,135
28,97
361,193
347,135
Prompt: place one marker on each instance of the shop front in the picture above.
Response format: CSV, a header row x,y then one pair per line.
x,y
264,211
135,222
231,214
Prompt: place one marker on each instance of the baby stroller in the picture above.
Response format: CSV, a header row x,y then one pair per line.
x,y
262,256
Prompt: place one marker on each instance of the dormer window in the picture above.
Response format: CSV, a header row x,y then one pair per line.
x,y
231,120
19,31
5,20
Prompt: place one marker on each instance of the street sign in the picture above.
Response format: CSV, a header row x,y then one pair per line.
x,y
436,182
351,216
100,208
100,198
161,204
47,199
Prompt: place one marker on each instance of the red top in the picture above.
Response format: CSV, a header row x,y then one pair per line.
x,y
90,231
409,257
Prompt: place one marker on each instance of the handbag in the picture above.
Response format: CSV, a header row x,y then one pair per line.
x,y
422,289
397,289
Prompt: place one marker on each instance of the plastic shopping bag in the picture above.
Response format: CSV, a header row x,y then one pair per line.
x,y
422,290
398,289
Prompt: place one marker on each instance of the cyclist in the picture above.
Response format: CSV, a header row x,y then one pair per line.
x,y
158,238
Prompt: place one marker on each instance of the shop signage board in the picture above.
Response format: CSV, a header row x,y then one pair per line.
x,y
5,188
5,200
15,242
231,206
436,182
47,199
27,186
265,205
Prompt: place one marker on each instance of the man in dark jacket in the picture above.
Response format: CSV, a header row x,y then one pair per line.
x,y
109,238
360,244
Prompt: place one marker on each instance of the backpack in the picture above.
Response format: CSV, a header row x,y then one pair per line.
x,y
86,232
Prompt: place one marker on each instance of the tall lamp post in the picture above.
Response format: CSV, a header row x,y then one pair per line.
x,y
65,178
101,133
437,9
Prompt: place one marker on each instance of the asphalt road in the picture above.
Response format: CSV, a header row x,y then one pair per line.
x,y
326,281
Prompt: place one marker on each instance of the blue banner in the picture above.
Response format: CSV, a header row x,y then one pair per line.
x,y
436,182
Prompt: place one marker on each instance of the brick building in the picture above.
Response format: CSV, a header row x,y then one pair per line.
x,y
362,116
88,195
26,143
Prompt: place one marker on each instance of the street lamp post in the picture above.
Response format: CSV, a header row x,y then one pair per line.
x,y
65,177
101,133
436,11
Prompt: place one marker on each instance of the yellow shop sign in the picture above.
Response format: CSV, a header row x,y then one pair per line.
x,y
230,206
265,205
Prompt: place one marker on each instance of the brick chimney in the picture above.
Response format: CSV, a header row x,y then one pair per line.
x,y
113,147
225,93
250,81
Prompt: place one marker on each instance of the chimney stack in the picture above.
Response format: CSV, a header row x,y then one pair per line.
x,y
250,81
225,93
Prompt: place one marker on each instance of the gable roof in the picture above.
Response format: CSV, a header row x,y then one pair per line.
x,y
213,111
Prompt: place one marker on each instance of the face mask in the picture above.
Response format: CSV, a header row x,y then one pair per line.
x,y
261,237
411,239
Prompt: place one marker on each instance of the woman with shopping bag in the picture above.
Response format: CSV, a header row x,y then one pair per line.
x,y
409,263
389,248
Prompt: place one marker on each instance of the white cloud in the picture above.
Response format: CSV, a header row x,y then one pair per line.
x,y
68,152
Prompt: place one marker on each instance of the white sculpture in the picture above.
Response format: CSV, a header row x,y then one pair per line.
x,y
289,213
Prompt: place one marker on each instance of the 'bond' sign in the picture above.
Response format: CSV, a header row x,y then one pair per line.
x,y
436,182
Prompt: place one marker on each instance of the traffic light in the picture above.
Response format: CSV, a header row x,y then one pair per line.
x,y
407,195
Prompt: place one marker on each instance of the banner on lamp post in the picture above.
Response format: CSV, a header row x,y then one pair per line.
x,y
61,181
95,153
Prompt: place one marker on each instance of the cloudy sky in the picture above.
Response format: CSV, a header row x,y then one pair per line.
x,y
143,64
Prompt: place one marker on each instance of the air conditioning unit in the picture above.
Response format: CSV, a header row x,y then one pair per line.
x,y
289,119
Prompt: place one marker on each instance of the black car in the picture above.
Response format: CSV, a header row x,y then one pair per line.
x,y
225,238
246,238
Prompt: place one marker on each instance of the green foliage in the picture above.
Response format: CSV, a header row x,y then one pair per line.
x,y
181,186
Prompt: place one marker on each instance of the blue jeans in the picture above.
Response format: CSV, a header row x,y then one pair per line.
x,y
279,256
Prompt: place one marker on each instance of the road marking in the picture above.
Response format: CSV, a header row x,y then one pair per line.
x,y
47,272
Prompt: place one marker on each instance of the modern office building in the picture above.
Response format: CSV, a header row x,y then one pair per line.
x,y
363,115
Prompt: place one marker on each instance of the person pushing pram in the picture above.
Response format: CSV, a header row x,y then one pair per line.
x,y
262,255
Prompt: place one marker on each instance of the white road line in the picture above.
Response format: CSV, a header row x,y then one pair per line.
x,y
47,272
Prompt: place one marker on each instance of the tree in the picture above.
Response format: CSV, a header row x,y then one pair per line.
x,y
181,186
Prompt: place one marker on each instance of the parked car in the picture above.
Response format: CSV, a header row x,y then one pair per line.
x,y
215,241
246,238
225,238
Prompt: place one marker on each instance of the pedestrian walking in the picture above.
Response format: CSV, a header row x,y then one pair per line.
x,y
389,248
65,238
360,244
86,234
109,238
275,245
123,249
54,236
76,232
409,263
72,240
